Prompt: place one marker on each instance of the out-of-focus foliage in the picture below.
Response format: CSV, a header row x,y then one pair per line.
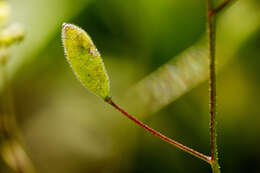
x,y
43,19
69,130
10,35
11,148
190,68
4,10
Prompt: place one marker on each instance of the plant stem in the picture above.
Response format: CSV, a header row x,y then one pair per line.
x,y
212,85
215,167
212,80
223,5
12,151
158,134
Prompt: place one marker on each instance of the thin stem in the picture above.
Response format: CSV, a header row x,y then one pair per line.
x,y
158,134
215,167
212,85
223,5
212,81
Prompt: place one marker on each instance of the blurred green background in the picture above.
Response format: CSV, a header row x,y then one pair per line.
x,y
67,129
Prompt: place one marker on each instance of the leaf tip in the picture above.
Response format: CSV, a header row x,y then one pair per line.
x,y
65,28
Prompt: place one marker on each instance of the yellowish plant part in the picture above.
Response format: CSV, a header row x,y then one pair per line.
x,y
85,60
4,10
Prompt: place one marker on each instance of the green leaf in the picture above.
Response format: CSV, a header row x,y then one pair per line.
x,y
85,60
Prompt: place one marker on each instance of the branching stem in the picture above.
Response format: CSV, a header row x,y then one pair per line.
x,y
213,159
223,5
211,26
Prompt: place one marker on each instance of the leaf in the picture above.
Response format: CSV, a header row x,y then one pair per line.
x,y
85,60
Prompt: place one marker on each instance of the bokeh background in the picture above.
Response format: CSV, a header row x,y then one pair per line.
x,y
144,44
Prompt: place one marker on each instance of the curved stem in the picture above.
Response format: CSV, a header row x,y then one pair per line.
x,y
158,134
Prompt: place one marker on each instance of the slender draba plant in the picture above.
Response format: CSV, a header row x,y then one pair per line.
x,y
89,68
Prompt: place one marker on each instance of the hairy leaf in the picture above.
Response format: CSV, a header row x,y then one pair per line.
x,y
85,60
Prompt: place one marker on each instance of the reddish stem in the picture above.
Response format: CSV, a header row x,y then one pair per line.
x,y
158,134
212,77
223,5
